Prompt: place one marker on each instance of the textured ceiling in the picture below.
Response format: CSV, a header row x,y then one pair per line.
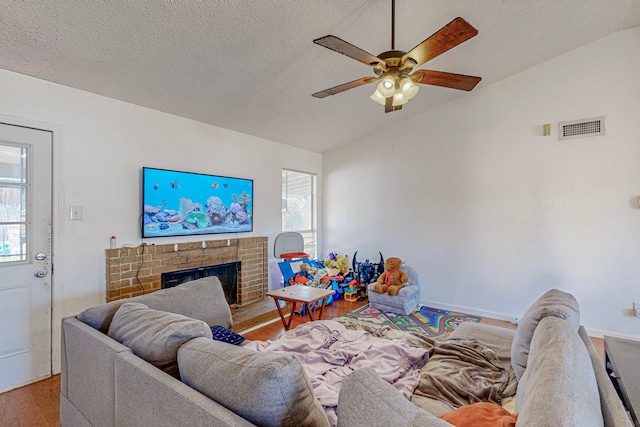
x,y
251,65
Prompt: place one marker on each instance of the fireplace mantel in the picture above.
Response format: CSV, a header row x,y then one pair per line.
x,y
130,270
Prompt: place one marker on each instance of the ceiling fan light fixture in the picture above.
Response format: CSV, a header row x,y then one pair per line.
x,y
401,89
399,99
387,87
409,88
377,97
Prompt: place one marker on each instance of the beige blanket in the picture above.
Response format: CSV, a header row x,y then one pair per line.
x,y
460,372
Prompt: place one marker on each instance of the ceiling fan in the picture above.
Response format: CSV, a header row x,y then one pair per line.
x,y
393,68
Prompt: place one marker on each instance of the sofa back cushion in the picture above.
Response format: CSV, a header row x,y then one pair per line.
x,y
552,303
201,299
559,386
154,335
267,389
367,400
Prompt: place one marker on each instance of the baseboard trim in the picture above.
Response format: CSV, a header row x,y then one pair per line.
x,y
599,333
468,310
592,332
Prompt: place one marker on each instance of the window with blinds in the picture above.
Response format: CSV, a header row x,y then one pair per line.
x,y
299,207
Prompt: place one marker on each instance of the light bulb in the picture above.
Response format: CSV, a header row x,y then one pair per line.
x,y
387,86
409,89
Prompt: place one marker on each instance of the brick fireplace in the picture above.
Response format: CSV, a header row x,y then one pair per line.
x,y
129,270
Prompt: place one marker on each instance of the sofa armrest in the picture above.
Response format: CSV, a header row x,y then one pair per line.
x,y
87,371
613,411
146,396
408,290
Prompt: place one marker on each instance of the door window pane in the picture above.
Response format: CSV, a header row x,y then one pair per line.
x,y
13,165
13,243
12,200
13,203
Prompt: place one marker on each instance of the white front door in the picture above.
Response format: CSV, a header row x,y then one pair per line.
x,y
25,255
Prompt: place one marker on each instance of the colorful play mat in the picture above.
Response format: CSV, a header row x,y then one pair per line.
x,y
432,322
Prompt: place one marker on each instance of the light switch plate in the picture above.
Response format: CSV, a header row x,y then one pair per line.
x,y
76,213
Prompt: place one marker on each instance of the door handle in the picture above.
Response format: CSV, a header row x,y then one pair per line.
x,y
40,273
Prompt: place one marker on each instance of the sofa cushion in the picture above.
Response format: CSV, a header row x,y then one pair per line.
x,y
201,299
552,303
481,414
366,400
559,387
267,389
155,335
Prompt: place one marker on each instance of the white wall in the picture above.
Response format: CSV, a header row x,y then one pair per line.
x,y
102,145
490,212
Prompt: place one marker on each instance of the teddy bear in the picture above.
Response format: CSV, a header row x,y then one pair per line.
x,y
307,270
305,276
392,279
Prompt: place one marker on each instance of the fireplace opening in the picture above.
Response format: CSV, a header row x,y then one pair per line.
x,y
226,273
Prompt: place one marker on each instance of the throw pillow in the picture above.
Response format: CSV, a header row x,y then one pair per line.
x,y
553,303
155,335
223,334
267,389
481,414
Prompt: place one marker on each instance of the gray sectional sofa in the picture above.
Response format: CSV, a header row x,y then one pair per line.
x,y
103,383
553,369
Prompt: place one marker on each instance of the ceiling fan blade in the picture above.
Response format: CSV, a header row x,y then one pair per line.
x,y
343,87
447,37
388,105
444,79
338,45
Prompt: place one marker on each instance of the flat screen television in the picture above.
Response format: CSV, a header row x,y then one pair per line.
x,y
185,203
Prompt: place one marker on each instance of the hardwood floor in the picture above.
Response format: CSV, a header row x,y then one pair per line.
x,y
38,404
272,330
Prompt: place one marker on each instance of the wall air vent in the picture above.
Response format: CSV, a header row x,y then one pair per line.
x,y
581,128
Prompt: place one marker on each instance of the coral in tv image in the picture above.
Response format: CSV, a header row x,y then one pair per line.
x,y
182,203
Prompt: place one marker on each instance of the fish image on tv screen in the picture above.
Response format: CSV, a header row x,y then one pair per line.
x,y
186,203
